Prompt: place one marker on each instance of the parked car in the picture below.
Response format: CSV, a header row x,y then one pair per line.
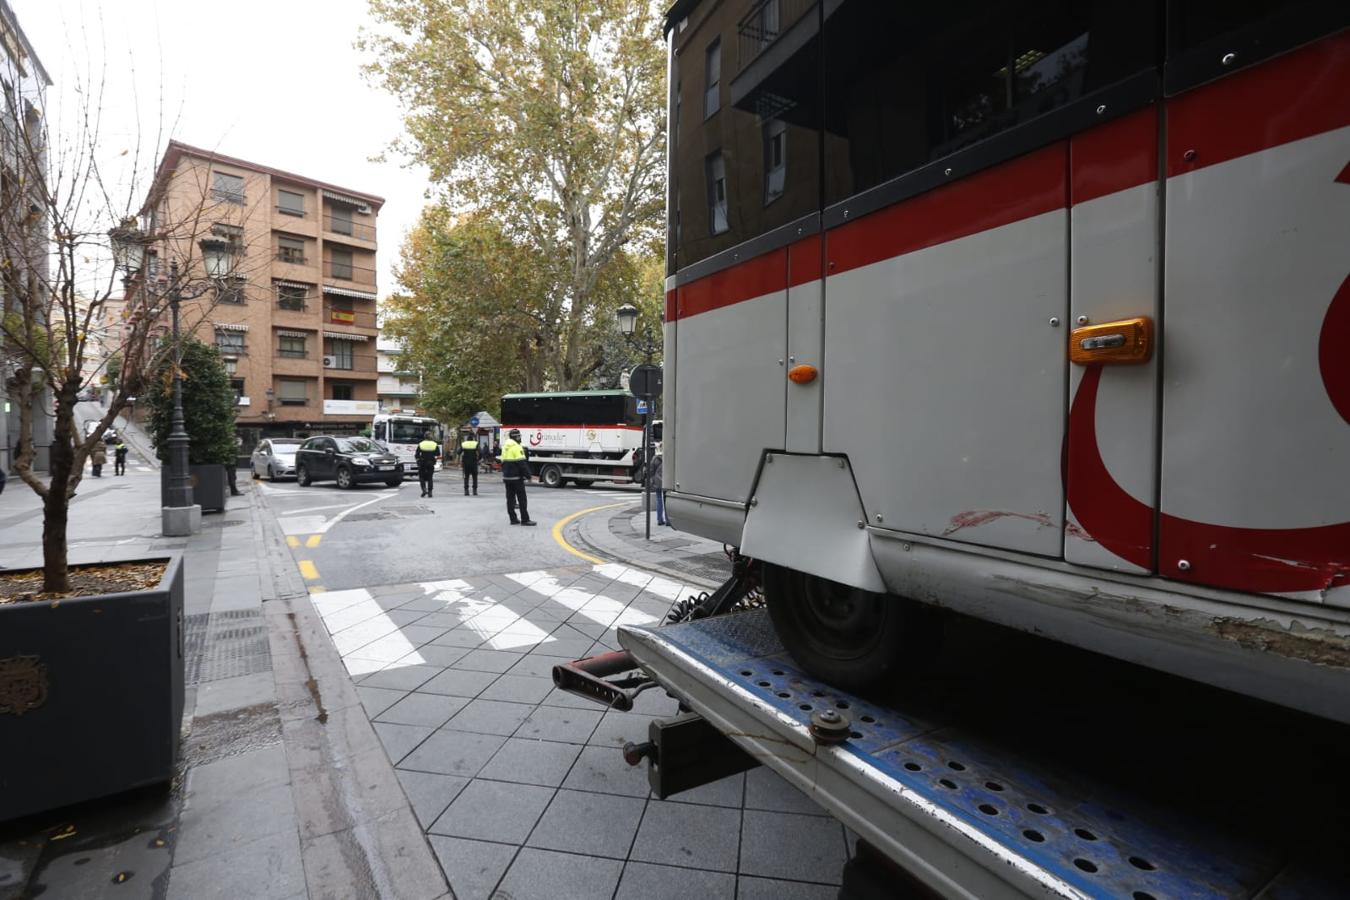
x,y
275,458
347,460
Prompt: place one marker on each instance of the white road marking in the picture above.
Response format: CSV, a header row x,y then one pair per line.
x,y
310,509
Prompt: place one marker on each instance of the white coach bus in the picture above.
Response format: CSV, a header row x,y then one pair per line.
x,y
1034,311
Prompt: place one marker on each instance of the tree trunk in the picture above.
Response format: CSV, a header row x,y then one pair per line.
x,y
56,505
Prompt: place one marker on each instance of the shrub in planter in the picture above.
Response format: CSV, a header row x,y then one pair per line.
x,y
209,407
91,687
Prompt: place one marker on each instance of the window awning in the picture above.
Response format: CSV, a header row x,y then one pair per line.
x,y
229,326
347,292
361,205
294,284
339,336
299,334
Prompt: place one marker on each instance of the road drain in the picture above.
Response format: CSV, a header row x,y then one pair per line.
x,y
225,645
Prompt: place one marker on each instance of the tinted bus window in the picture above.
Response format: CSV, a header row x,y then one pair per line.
x,y
571,409
907,84
745,124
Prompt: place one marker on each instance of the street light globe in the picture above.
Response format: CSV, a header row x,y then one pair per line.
x,y
627,316
217,256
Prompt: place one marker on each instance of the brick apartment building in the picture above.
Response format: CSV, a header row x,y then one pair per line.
x,y
296,322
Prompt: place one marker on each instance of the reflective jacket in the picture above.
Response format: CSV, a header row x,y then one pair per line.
x,y
426,454
468,455
514,464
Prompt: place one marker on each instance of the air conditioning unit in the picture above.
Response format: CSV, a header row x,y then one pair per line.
x,y
329,362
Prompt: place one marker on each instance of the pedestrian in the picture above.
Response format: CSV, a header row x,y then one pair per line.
x,y
426,455
468,461
656,485
515,472
120,458
98,458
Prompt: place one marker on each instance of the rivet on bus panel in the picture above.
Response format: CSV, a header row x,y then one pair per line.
x,y
1054,321
1082,320
1229,58
879,518
1184,565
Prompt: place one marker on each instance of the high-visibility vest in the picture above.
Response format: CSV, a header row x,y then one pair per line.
x,y
511,450
427,446
469,445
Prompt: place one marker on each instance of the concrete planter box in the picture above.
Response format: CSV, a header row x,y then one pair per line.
x,y
91,695
209,486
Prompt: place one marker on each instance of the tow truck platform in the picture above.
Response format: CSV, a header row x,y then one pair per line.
x,y
1012,766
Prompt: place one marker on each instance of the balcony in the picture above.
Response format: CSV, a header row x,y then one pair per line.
x,y
348,318
347,228
349,273
227,349
292,257
352,365
764,24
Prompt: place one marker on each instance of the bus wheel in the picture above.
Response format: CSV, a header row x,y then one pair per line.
x,y
851,638
551,476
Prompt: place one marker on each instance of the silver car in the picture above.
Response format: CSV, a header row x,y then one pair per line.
x,y
275,458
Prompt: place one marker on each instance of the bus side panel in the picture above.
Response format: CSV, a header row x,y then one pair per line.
x,y
729,396
670,358
944,340
1115,250
806,296
1256,399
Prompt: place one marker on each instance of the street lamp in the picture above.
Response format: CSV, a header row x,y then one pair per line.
x,y
642,381
179,516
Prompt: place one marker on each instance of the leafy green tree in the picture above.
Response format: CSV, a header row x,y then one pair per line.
x,y
550,116
208,405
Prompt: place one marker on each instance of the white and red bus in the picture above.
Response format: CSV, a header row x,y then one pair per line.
x,y
578,436
1034,311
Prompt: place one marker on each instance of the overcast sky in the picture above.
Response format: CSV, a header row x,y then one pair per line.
x,y
276,82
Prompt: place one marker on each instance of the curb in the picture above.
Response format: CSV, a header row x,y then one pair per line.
x,y
576,533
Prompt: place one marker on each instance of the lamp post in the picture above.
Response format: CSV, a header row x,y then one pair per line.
x,y
180,516
627,316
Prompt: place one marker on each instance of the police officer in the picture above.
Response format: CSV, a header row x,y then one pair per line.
x,y
120,458
515,472
426,454
468,461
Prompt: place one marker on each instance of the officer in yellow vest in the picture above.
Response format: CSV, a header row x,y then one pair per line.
x,y
426,454
515,472
468,462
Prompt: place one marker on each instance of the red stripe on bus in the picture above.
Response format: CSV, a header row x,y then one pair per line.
x,y
524,428
1289,98
1018,189
671,314
804,261
753,278
1114,157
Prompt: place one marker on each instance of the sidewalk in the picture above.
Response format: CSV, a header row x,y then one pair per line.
x,y
283,793
620,535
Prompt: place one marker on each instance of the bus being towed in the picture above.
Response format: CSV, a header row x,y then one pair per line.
x,y
1037,312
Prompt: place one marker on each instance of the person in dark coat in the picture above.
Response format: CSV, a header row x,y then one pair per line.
x,y
426,455
120,458
468,462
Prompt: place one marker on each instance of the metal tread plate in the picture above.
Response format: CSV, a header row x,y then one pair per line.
x,y
974,812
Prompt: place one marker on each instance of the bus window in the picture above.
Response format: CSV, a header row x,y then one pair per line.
x,y
380,432
908,84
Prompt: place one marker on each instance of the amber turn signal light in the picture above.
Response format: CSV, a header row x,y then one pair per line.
x,y
1124,342
803,374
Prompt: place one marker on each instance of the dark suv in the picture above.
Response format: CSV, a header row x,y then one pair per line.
x,y
347,460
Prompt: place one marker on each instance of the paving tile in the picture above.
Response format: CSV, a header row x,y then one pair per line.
x,y
564,648
391,647
771,889
644,881
420,634
519,689
490,717
473,868
222,780
592,824
558,697
546,875
440,619
488,660
233,693
206,829
603,769
785,845
429,793
399,740
459,683
528,761
494,811
348,792
729,791
700,837
401,617
420,708
618,728
403,678
535,666
391,848
766,789
453,753
267,867
377,699
432,655
556,723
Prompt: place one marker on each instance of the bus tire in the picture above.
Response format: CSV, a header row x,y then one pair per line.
x,y
551,476
848,637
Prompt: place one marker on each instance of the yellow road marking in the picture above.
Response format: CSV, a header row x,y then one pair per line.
x,y
317,589
562,541
292,541
313,540
308,570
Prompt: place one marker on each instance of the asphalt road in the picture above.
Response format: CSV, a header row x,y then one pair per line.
x,y
374,535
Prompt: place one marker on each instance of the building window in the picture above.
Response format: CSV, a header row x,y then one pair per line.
x,y
230,290
340,264
230,343
292,393
340,354
717,193
342,392
775,159
237,384
340,220
290,203
292,347
292,297
291,249
762,28
231,366
712,70
229,188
